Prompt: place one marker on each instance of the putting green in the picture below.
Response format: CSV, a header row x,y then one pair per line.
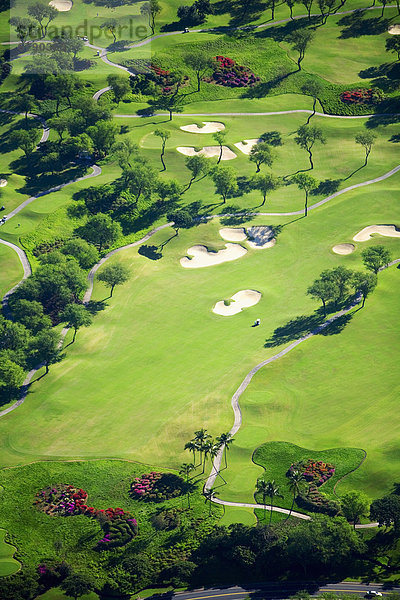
x,y
8,564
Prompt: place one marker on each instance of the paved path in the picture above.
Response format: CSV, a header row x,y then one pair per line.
x,y
27,271
255,114
46,130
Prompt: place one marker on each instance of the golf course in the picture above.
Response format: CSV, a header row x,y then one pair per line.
x,y
201,236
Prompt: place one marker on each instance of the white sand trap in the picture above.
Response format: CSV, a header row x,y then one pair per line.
x,y
208,152
203,258
241,300
261,237
3,182
394,30
386,230
233,234
61,5
246,145
209,127
343,248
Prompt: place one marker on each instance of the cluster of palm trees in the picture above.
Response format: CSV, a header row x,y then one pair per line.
x,y
269,489
204,446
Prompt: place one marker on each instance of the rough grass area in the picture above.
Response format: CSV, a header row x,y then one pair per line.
x,y
276,458
107,483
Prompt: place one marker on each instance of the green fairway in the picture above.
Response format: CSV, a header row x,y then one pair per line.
x,y
8,565
11,269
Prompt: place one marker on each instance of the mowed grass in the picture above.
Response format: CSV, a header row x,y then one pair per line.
x,y
158,364
10,269
277,457
8,565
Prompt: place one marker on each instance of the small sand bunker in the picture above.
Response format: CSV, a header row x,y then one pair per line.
x,y
61,5
3,182
240,300
385,230
233,234
208,152
246,145
202,257
343,248
261,237
209,127
394,30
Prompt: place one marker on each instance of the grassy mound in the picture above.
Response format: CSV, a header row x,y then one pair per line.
x,y
8,564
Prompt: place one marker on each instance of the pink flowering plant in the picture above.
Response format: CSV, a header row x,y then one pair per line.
x,y
157,487
229,74
314,471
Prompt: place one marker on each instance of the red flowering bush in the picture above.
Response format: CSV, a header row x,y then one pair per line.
x,y
66,500
362,96
229,74
157,487
314,471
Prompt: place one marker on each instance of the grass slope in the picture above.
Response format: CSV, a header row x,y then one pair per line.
x,y
8,565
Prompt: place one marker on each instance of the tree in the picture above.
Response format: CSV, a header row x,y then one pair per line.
x,y
306,137
307,183
192,446
200,63
261,154
30,314
43,14
61,86
324,290
376,257
86,254
113,275
296,484
383,2
164,135
290,4
25,140
185,470
170,103
386,511
266,184
100,230
271,4
76,316
262,488
181,219
393,45
219,137
300,40
200,438
342,279
11,374
60,125
225,181
365,139
24,28
141,180
197,165
46,349
272,492
76,585
210,495
119,85
354,506
312,87
66,43
103,136
110,25
170,189
225,440
307,5
25,103
364,283
151,9
123,151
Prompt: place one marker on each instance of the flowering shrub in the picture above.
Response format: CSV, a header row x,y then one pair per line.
x,y
157,487
164,79
66,500
229,74
314,471
362,96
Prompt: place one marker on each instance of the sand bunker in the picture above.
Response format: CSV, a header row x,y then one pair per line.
x,y
203,258
366,233
209,127
246,145
208,152
261,237
394,30
343,248
241,300
3,182
233,234
61,5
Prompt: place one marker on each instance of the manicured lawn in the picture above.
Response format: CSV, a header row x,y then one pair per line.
x,y
11,269
8,565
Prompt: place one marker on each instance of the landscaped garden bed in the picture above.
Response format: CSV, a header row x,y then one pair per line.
x,y
229,74
157,487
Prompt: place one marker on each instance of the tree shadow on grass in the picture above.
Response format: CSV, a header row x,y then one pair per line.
x,y
353,26
151,252
96,306
304,325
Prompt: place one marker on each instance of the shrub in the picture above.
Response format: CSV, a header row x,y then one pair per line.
x,y
157,487
229,74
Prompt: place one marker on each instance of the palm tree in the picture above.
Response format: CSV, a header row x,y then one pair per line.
x,y
213,452
295,484
209,495
185,470
192,446
272,492
206,448
262,488
200,437
225,440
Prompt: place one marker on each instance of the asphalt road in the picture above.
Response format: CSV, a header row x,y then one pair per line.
x,y
279,591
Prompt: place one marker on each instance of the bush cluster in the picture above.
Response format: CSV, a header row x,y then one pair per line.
x,y
229,74
157,487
